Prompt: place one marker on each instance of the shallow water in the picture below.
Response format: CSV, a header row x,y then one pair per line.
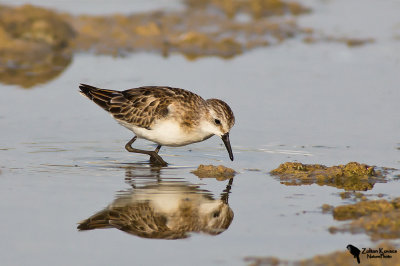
x,y
62,158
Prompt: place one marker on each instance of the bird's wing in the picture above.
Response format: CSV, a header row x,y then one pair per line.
x,y
137,219
141,106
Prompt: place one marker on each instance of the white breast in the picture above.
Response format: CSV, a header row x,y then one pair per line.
x,y
169,133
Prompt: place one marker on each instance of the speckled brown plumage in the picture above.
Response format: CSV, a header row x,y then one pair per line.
x,y
222,110
144,218
144,105
167,116
138,219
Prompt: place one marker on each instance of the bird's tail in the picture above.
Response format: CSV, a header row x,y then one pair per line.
x,y
98,221
101,97
358,259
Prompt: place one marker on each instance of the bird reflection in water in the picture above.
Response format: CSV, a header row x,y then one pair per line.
x,y
163,209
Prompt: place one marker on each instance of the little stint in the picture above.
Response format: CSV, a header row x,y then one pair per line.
x,y
164,115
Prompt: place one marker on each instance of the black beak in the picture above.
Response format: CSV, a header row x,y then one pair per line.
x,y
225,139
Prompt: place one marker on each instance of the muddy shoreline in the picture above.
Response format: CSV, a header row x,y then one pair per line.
x,y
37,44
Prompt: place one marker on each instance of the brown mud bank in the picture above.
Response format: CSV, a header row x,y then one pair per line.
x,y
352,176
34,45
37,44
368,256
201,28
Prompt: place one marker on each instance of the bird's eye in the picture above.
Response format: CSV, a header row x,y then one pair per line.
x,y
216,214
217,121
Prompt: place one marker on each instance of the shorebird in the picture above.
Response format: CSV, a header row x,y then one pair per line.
x,y
164,115
164,210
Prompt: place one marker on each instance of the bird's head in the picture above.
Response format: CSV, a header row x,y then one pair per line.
x,y
220,121
215,217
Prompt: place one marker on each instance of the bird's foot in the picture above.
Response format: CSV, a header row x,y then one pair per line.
x,y
157,160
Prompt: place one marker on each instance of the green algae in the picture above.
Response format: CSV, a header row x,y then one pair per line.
x,y
352,176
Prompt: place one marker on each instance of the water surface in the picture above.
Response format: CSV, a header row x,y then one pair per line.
x,y
62,158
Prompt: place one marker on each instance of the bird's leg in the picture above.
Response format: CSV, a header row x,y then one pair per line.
x,y
154,157
128,146
157,149
227,190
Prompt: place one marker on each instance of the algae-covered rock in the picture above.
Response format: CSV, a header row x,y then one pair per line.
x,y
353,211
384,225
352,176
380,219
219,172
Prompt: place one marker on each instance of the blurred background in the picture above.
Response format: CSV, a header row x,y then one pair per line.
x,y
310,81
